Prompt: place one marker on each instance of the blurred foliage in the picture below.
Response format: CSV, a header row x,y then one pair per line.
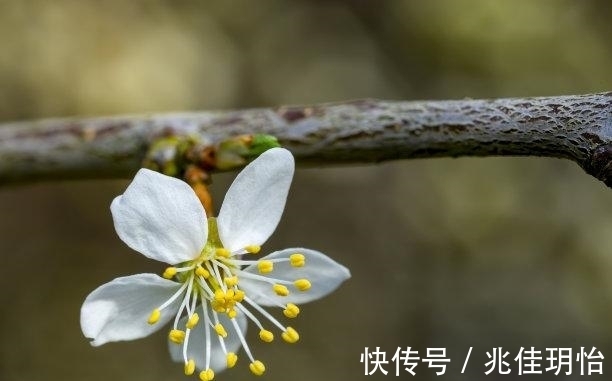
x,y
449,253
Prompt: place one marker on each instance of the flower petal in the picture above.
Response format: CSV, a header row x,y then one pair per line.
x,y
160,217
196,349
255,201
119,309
324,274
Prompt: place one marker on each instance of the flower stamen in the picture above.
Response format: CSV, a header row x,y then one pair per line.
x,y
202,283
231,359
154,317
257,368
202,272
302,284
231,281
189,367
238,295
176,336
156,313
280,290
220,330
207,335
291,311
266,336
262,278
185,345
169,273
215,270
290,335
265,266
297,260
193,321
215,321
207,375
252,249
186,302
265,313
186,340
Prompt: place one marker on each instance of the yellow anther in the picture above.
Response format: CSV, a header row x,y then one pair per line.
x,y
222,252
266,336
218,306
297,260
207,375
231,313
220,330
257,367
169,272
302,284
189,367
231,359
290,335
201,271
176,336
220,296
229,295
252,249
280,290
154,317
192,321
231,281
238,295
291,311
265,266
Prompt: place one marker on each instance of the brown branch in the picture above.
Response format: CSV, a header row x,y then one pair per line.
x,y
578,128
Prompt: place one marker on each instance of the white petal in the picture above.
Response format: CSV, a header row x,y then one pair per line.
x,y
196,349
160,217
119,309
255,201
324,274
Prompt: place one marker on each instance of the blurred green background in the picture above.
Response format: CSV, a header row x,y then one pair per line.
x,y
453,253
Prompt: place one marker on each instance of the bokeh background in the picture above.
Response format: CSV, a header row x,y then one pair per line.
x,y
453,253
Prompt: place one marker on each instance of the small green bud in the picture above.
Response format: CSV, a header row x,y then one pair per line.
x,y
261,143
166,154
239,150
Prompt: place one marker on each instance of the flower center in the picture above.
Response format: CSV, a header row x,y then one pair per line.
x,y
213,281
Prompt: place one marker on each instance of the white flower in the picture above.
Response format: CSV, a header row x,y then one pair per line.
x,y
210,291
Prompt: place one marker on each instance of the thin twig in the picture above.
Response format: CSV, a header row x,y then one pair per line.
x,y
578,128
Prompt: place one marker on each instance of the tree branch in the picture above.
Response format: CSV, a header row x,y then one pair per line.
x,y
578,128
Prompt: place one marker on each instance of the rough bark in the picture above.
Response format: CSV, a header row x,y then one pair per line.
x,y
578,128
